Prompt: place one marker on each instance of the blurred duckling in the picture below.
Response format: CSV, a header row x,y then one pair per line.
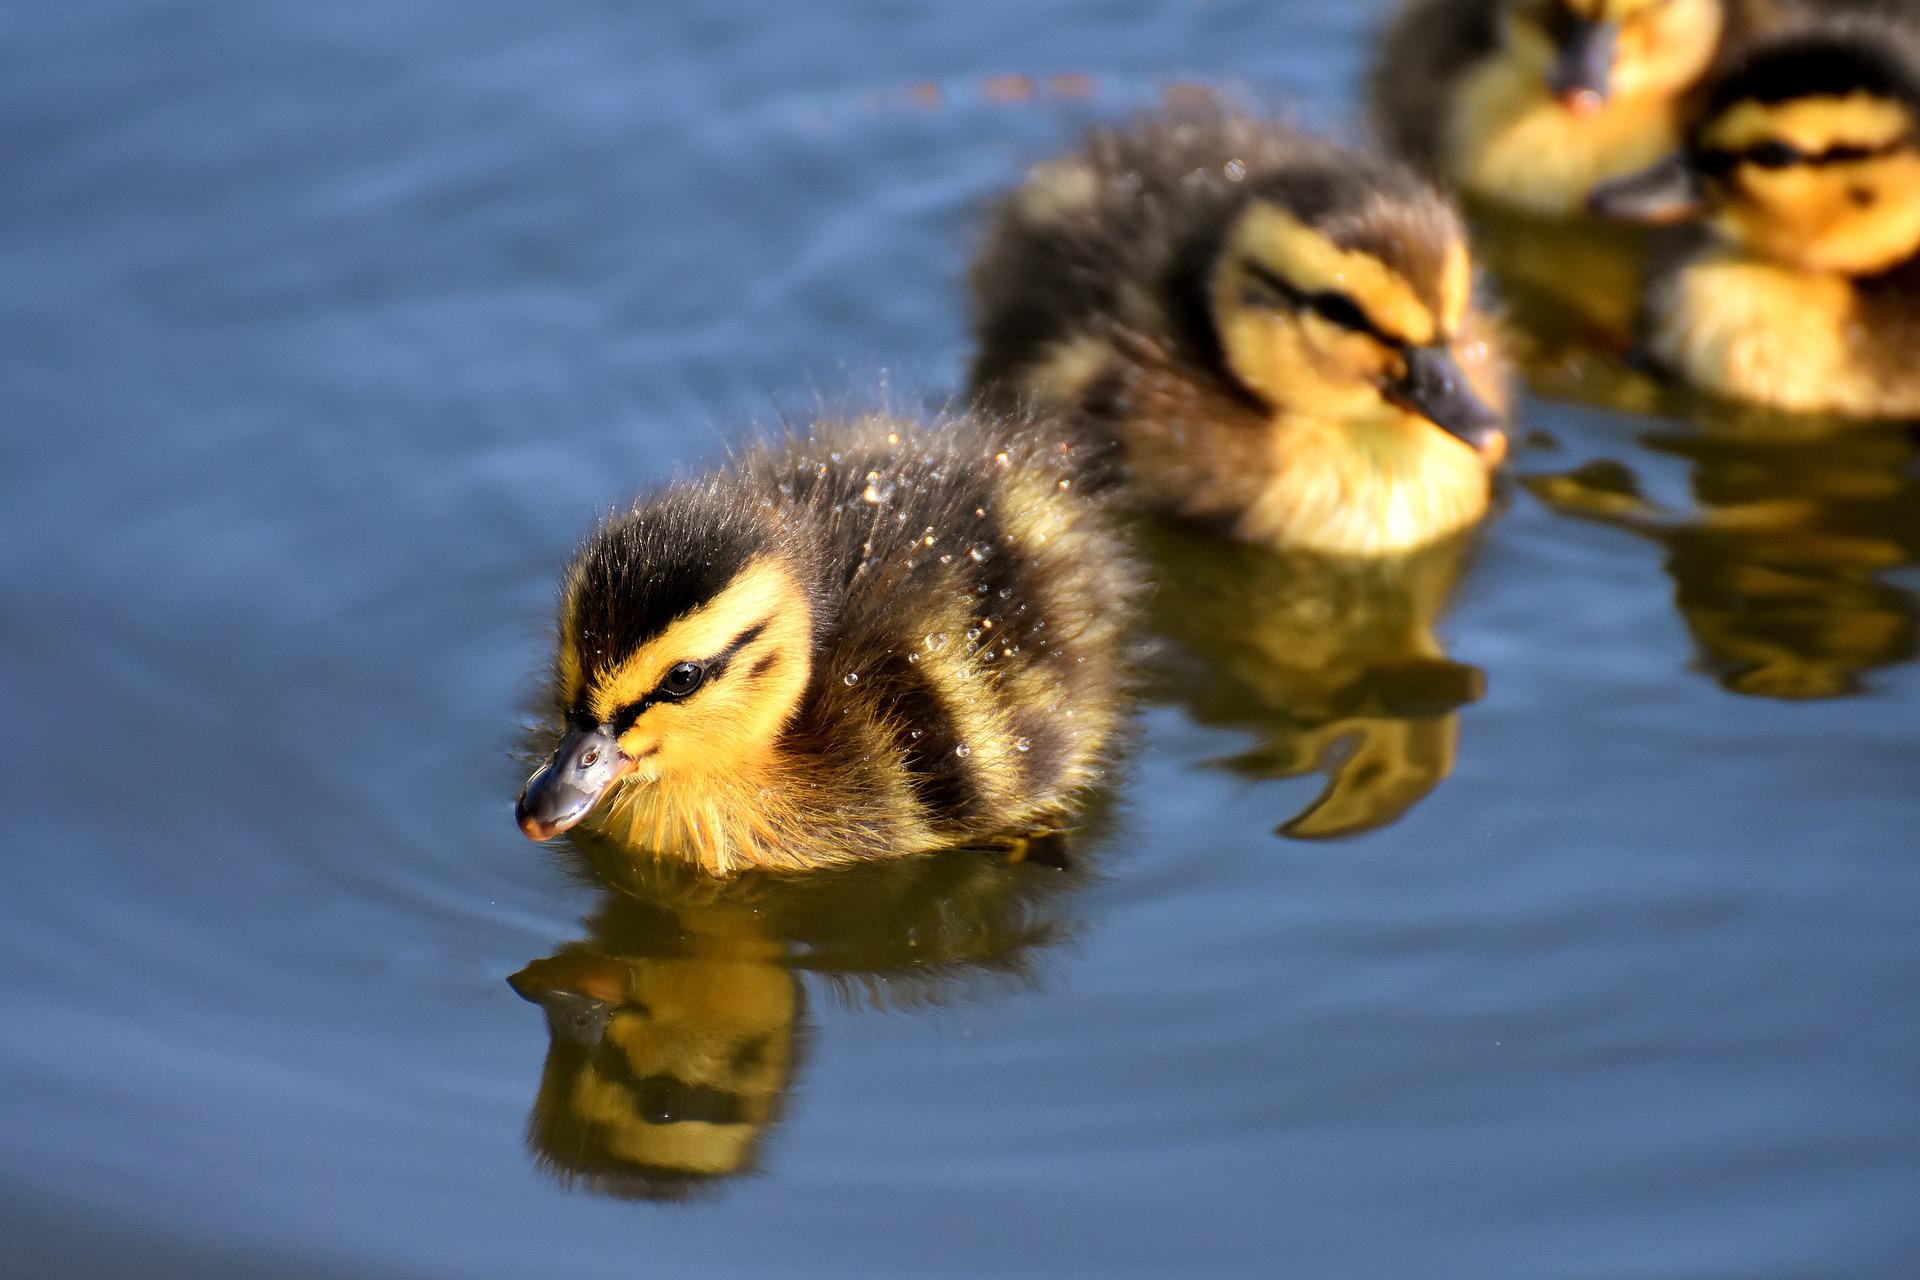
x,y
1277,332
1531,103
1805,166
877,641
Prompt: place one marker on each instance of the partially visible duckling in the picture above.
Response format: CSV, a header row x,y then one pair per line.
x,y
874,642
1530,103
1806,164
1277,331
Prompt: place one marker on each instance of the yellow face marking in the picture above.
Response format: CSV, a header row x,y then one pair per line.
x,y
1311,263
1812,125
758,593
732,718
1610,10
1855,218
1456,288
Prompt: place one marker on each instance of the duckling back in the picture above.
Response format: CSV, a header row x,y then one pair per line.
x,y
984,594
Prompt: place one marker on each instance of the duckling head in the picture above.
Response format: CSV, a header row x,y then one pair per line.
x,y
686,636
1808,153
1339,295
1591,52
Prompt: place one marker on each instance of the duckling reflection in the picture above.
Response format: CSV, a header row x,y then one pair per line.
x,y
1332,661
676,1029
1779,569
1567,287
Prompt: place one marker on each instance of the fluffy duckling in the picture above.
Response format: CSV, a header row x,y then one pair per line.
x,y
877,641
1805,164
1276,331
1530,103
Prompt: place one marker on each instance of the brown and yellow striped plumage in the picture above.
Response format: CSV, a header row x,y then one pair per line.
x,y
907,638
1241,309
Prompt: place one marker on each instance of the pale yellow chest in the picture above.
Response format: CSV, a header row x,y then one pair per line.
x,y
1751,330
1375,487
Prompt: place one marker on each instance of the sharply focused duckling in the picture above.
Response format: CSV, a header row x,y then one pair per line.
x,y
1531,103
1278,332
877,641
1805,162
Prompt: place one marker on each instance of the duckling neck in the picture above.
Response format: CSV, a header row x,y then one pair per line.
x,y
765,812
1375,485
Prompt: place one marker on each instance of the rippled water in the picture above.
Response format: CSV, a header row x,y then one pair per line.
x,y
1588,950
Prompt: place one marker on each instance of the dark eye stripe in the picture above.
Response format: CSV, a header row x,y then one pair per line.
x,y
1774,154
1335,307
711,670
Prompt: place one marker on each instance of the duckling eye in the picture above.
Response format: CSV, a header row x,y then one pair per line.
x,y
1774,154
682,680
1341,310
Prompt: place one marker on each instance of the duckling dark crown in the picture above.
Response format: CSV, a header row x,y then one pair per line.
x,y
656,563
1833,61
1377,209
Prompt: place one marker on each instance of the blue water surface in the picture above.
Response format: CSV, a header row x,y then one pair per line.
x,y
327,329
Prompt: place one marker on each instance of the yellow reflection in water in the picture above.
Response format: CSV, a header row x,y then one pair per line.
x,y
1568,286
1332,663
676,1028
1778,564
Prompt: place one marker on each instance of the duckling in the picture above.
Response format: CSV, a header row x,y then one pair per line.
x,y
877,641
1277,332
1531,103
1805,166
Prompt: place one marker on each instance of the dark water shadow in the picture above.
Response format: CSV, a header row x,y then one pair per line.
x,y
1331,663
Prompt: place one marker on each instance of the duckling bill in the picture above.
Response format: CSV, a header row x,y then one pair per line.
x,y
1278,333
1804,167
877,641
